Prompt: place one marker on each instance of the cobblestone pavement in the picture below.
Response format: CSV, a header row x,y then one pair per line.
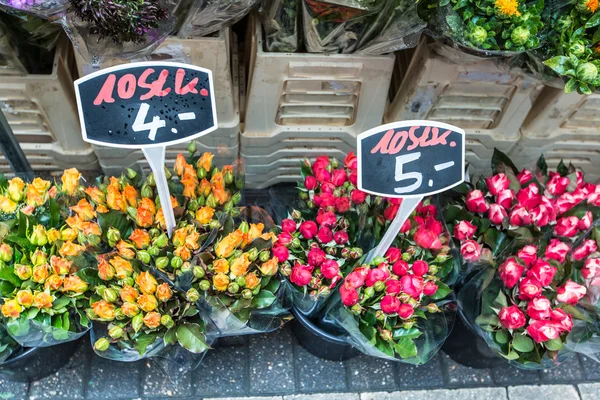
x,y
274,366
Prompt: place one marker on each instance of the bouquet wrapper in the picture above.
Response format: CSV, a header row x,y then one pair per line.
x,y
280,20
40,8
44,330
208,16
434,330
8,346
304,303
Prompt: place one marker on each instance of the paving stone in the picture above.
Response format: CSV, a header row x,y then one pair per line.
x,y
506,374
589,391
113,379
157,382
567,371
323,396
440,394
317,375
370,373
245,398
459,375
546,392
591,368
272,363
68,382
223,372
232,341
13,390
420,376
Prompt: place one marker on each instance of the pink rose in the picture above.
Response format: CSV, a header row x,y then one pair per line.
x,y
326,200
323,175
315,257
301,275
356,278
497,183
339,177
565,202
586,221
349,296
412,285
557,184
351,161
357,196
281,252
464,230
420,268
542,331
342,204
567,226
405,311
284,238
330,269
528,254
476,202
529,197
353,178
400,268
511,317
310,182
470,250
390,212
557,250
326,218
506,198
563,322
519,216
427,211
390,304
393,286
433,225
340,237
591,268
427,239
541,215
393,254
378,274
529,288
406,226
570,292
510,272
308,229
582,252
327,187
288,225
524,176
430,288
496,214
324,235
542,272
321,162
539,308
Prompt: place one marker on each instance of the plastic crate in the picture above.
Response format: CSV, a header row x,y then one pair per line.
x,y
307,103
490,104
562,126
42,113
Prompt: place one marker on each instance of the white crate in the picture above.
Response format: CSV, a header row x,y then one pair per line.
x,y
42,113
563,126
490,104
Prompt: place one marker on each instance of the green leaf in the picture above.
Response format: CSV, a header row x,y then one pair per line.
x,y
305,171
406,348
559,64
562,169
594,21
501,163
513,355
263,299
191,338
143,341
18,327
502,336
54,213
21,240
411,333
501,299
170,336
554,344
442,291
522,343
61,302
6,288
8,274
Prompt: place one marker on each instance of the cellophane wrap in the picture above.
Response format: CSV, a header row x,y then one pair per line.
x,y
281,22
8,346
40,8
208,16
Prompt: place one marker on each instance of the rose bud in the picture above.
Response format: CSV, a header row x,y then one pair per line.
x,y
192,295
565,202
315,257
405,311
393,254
529,197
101,344
308,229
339,177
567,226
420,268
152,320
167,321
528,255
539,308
497,183
327,187
412,285
288,225
6,252
557,250
390,212
163,292
23,271
524,176
506,198
301,275
529,288
342,204
570,293
348,296
591,268
326,218
464,230
25,297
406,226
542,331
393,286
582,252
586,221
340,237
511,317
324,235
476,202
115,332
390,304
543,272
38,236
357,196
427,239
310,182
379,274
519,216
470,250
281,252
330,269
510,272
557,184
323,175
284,238
430,288
565,324
400,268
356,278
497,214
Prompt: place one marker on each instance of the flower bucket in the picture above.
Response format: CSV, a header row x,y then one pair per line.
x,y
319,342
35,363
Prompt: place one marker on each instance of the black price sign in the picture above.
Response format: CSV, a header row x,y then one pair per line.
x,y
411,159
146,104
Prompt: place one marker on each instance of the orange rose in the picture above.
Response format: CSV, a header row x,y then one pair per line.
x,y
53,282
35,192
256,230
70,249
74,284
101,209
147,302
183,252
104,310
269,236
130,310
141,238
70,180
68,234
179,236
129,294
190,184
115,199
95,194
53,235
180,164
40,273
131,195
91,228
221,195
7,205
42,300
105,270
205,214
145,212
60,266
192,241
229,243
74,222
146,282
160,219
220,281
252,280
125,249
204,188
205,161
163,292
122,267
152,320
25,298
270,267
221,265
84,210
240,265
11,309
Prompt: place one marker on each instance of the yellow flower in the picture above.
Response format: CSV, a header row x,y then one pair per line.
x,y
35,192
145,212
270,267
11,309
70,249
179,236
256,230
163,292
220,281
38,257
95,194
53,282
592,5
269,236
183,252
147,302
60,266
15,189
252,280
42,300
152,320
509,8
70,180
7,205
205,161
130,309
102,209
192,240
68,234
74,284
40,273
129,294
53,235
25,297
140,237
104,310
240,265
221,265
74,222
205,214
229,243
130,195
146,282
122,267
84,210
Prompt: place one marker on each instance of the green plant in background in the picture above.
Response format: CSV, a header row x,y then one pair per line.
x,y
573,49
